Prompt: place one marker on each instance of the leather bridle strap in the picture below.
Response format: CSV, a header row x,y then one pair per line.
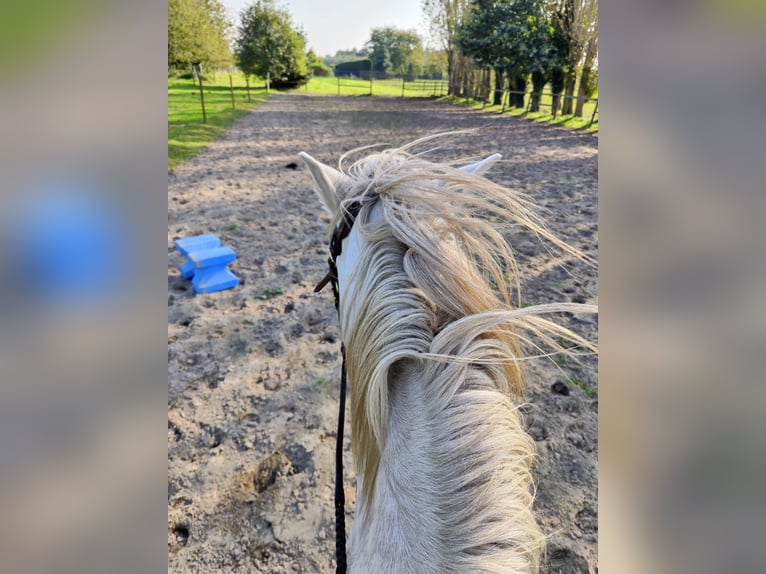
x,y
340,495
342,229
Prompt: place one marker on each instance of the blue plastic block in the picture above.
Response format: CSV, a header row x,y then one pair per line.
x,y
188,245
210,272
187,269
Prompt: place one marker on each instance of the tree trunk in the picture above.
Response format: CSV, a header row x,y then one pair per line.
x,y
538,83
569,86
581,92
521,89
497,99
557,85
451,72
516,83
590,57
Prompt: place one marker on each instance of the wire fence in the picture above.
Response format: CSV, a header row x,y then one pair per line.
x,y
408,86
537,100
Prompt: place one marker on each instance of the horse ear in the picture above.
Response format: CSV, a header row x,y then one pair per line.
x,y
327,180
481,167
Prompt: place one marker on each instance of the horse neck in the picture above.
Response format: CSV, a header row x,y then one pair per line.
x,y
447,498
443,481
392,531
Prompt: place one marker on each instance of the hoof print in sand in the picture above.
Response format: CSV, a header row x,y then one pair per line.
x,y
267,472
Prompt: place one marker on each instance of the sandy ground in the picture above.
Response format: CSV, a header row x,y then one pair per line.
x,y
253,372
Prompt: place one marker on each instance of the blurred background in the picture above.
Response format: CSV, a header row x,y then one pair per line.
x,y
83,176
682,325
82,275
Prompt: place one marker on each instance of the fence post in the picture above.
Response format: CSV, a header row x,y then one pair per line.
x,y
247,83
231,87
338,85
402,86
202,98
502,101
593,116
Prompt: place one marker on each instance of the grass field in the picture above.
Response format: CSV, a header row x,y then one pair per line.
x,y
392,87
187,134
431,88
544,115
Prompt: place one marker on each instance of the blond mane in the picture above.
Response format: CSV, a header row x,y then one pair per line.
x,y
437,301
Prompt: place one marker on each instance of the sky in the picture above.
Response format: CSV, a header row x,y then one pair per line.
x,y
332,25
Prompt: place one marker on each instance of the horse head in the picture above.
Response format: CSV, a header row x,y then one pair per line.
x,y
335,191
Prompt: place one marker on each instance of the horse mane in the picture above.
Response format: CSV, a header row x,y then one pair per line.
x,y
436,296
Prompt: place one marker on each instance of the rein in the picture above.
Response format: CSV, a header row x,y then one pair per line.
x,y
342,229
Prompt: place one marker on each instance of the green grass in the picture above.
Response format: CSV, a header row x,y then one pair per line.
x,y
432,88
589,391
270,293
392,87
544,115
187,134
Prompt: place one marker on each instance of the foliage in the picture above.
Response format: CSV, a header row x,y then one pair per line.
x,y
578,22
267,45
342,56
197,33
590,85
507,34
444,17
395,51
316,66
435,63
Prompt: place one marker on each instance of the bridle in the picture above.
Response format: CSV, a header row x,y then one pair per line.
x,y
341,231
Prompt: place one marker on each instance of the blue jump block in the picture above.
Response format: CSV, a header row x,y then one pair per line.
x,y
188,245
210,272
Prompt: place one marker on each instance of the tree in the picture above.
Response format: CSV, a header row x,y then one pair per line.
x,y
579,23
588,79
198,32
444,17
511,37
267,45
559,55
395,51
344,56
316,67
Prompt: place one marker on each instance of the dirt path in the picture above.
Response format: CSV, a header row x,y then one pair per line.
x,y
253,372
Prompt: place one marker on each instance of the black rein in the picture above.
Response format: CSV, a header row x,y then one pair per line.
x,y
342,229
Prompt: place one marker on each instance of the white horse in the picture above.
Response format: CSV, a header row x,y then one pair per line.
x,y
434,361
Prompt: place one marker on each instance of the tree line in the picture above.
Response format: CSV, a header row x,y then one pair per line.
x,y
264,42
495,45
485,46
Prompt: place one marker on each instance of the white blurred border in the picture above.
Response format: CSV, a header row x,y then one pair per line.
x,y
681,199
83,382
